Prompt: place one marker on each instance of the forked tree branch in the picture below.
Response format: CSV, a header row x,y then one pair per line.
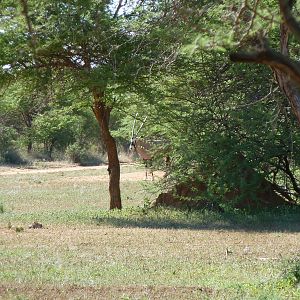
x,y
286,70
270,58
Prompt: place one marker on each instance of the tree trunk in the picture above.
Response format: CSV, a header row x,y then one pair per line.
x,y
27,117
102,114
29,146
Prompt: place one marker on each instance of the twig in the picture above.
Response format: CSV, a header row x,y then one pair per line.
x,y
259,100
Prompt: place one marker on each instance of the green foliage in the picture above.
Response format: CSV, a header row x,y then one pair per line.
x,y
7,139
225,25
292,272
8,151
76,152
79,153
54,129
223,129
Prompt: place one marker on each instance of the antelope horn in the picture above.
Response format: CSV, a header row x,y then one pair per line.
x,y
132,131
141,125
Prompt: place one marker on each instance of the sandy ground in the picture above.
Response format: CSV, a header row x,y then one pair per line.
x,y
14,171
132,176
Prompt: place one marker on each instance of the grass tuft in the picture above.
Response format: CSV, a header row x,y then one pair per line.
x,y
292,271
1,208
19,229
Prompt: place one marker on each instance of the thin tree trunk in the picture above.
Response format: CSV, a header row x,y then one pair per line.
x,y
102,114
29,146
27,117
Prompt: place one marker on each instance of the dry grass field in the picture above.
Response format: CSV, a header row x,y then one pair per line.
x,y
84,251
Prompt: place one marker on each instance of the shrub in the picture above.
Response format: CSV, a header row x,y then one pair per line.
x,y
13,157
7,139
78,153
292,271
8,152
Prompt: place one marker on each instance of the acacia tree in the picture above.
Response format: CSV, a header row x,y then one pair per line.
x,y
104,49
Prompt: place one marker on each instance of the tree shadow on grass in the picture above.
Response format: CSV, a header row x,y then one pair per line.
x,y
267,221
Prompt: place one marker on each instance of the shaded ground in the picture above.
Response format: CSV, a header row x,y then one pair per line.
x,y
164,218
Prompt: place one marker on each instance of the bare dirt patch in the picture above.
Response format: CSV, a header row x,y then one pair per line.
x,y
6,171
105,292
131,176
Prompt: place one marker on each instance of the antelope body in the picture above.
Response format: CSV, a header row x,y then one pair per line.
x,y
142,148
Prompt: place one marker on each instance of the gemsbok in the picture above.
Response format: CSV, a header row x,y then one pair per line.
x,y
142,148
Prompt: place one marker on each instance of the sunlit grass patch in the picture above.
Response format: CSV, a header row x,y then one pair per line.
x,y
64,204
57,197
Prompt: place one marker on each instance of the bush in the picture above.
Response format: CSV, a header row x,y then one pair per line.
x,y
78,153
13,157
292,271
7,139
8,153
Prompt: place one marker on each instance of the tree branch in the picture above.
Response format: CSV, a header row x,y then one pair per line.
x,y
289,172
25,13
270,58
286,71
120,5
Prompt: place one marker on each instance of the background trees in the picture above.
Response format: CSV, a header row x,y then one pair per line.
x,y
226,125
100,48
